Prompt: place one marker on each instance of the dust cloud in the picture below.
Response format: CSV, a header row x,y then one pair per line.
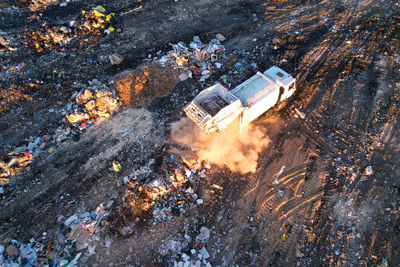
x,y
237,150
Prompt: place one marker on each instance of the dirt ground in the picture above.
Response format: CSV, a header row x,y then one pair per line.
x,y
312,200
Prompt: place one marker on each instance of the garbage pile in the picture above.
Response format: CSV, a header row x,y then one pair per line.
x,y
154,191
76,233
197,59
182,255
159,191
96,22
37,5
92,104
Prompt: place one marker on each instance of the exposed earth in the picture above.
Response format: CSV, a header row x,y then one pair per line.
x,y
326,189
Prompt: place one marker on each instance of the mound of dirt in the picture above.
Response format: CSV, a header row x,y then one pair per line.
x,y
138,87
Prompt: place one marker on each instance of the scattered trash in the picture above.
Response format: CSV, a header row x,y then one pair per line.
x,y
116,59
368,170
184,76
204,253
165,186
220,37
117,166
195,59
204,234
11,251
91,249
96,21
71,220
280,193
80,235
300,114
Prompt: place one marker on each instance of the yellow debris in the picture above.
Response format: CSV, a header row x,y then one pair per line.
x,y
90,105
116,166
109,16
77,117
84,97
99,11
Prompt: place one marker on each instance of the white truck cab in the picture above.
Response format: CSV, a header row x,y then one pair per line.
x,y
214,108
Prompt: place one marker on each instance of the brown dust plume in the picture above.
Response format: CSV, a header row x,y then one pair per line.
x,y
237,150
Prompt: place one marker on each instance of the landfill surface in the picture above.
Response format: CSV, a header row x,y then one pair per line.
x,y
91,103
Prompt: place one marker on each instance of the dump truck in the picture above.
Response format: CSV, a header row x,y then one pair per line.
x,y
215,108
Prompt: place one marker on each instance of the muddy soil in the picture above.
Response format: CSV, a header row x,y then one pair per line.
x,y
310,202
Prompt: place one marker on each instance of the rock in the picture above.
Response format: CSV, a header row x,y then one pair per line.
x,y
11,251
